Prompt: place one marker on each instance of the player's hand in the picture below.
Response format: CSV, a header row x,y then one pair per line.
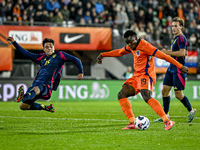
x,y
10,39
184,69
80,76
164,51
99,59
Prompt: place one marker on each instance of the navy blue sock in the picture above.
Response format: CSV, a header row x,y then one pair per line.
x,y
29,96
36,106
186,103
166,102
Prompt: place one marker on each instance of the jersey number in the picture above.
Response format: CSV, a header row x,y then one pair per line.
x,y
143,81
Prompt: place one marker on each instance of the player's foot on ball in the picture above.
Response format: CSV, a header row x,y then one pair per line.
x,y
50,108
130,126
20,93
160,119
169,124
191,115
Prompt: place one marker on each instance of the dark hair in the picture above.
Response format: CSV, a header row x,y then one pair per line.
x,y
46,40
129,33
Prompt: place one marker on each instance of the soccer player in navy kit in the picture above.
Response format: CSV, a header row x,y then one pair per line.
x,y
173,76
48,77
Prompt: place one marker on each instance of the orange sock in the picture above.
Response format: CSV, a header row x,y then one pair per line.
x,y
155,105
127,109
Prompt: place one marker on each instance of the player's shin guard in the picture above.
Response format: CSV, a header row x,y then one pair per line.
x,y
155,105
36,106
186,103
166,102
127,109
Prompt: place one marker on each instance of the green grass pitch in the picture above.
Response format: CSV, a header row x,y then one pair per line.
x,y
94,125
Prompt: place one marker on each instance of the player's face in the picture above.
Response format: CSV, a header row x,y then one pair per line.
x,y
176,28
49,48
131,41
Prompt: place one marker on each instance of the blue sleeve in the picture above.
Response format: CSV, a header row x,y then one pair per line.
x,y
75,60
26,53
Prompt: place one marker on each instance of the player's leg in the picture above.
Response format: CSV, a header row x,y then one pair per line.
x,y
179,86
146,88
167,85
28,102
126,91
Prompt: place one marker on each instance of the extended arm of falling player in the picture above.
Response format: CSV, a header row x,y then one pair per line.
x,y
115,53
168,58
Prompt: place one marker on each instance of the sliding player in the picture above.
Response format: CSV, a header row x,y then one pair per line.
x,y
48,77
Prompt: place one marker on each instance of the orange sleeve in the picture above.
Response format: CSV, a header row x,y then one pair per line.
x,y
116,53
168,58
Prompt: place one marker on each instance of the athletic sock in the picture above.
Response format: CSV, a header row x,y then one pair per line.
x,y
29,96
166,102
186,103
37,106
155,105
127,109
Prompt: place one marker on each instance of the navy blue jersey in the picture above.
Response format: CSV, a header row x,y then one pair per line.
x,y
179,42
50,66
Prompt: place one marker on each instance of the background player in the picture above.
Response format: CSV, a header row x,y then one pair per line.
x,y
144,76
48,77
173,76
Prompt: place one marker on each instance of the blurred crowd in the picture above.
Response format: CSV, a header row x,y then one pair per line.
x,y
150,19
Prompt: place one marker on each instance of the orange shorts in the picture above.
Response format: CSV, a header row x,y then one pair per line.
x,y
141,82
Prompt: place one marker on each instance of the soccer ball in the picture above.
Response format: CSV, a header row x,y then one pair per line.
x,y
141,123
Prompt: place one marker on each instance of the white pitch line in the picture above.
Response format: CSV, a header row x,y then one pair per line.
x,y
62,118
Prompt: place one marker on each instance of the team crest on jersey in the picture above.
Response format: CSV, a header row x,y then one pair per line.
x,y
138,53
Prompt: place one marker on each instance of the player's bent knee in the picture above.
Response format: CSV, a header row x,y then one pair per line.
x,y
24,106
120,95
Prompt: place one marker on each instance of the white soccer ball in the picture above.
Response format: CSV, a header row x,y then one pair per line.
x,y
141,123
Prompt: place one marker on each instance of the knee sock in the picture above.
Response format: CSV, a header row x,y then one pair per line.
x,y
127,109
29,96
36,106
155,105
166,102
186,103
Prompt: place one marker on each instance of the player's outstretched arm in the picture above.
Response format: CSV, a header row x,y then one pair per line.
x,y
23,51
168,58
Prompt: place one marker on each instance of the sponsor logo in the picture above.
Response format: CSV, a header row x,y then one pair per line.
x,y
74,38
26,37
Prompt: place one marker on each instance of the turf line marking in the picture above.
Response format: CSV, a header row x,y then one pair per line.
x,y
62,118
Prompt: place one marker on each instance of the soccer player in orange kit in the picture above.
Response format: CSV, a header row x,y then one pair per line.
x,y
144,76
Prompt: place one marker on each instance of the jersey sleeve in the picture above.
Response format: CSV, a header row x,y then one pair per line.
x,y
182,42
168,58
26,53
117,52
69,58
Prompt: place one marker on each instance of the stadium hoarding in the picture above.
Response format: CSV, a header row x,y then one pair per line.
x,y
73,38
91,90
6,59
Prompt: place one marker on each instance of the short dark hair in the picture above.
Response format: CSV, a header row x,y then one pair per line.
x,y
129,33
46,40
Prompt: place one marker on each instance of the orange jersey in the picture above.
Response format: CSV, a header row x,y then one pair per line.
x,y
143,58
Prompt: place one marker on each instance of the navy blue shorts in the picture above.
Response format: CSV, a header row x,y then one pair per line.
x,y
177,80
45,94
